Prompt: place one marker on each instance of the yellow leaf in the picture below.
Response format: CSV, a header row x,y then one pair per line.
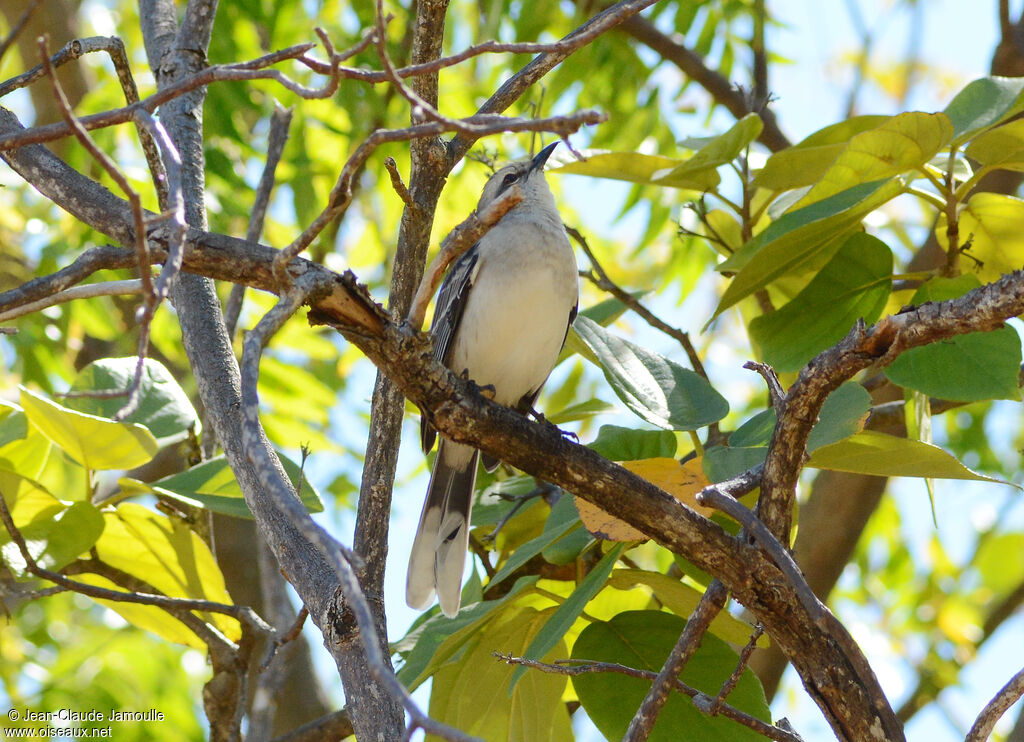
x,y
993,224
682,481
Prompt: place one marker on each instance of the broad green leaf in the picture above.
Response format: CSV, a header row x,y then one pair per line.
x,y
879,454
1001,147
658,390
725,462
23,455
965,368
212,485
643,639
680,598
993,224
93,442
983,103
469,693
164,553
603,313
904,142
632,167
563,518
756,431
434,641
551,634
626,444
798,237
719,151
844,413
855,284
999,563
54,538
804,163
164,408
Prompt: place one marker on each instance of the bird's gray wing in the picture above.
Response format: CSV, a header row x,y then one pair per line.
x,y
451,302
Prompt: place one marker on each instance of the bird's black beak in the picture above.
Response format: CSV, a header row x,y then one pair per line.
x,y
541,157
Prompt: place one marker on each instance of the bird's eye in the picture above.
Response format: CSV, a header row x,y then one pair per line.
x,y
509,179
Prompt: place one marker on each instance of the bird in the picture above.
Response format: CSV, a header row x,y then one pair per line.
x,y
501,319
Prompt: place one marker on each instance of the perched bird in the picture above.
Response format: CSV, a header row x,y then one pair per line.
x,y
502,316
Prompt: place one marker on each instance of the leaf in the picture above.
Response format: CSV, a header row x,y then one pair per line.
x,y
643,639
93,442
1002,147
468,694
563,618
855,284
993,225
632,167
843,414
658,390
167,555
581,411
437,639
682,599
164,408
983,103
965,368
905,142
626,444
212,485
563,518
804,163
719,151
882,455
682,481
795,239
54,538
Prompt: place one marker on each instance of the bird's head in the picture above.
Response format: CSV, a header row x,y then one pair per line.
x,y
528,174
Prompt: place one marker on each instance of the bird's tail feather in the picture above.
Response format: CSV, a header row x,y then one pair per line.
x,y
439,549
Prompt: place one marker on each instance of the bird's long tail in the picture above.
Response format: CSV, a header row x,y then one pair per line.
x,y
439,549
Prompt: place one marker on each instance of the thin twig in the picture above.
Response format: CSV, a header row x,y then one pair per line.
x,y
18,27
243,614
585,667
458,241
396,182
776,393
127,287
285,637
1008,695
280,122
710,605
730,684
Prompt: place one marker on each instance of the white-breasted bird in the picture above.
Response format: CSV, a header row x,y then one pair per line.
x,y
502,316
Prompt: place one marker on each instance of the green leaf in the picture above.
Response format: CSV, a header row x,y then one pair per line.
x,y
467,694
626,444
904,142
805,163
632,167
983,104
164,408
798,237
719,151
164,553
725,462
882,455
434,641
843,415
1002,147
212,485
658,390
855,284
965,368
991,227
562,619
563,518
682,599
643,639
93,442
757,431
581,411
55,537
